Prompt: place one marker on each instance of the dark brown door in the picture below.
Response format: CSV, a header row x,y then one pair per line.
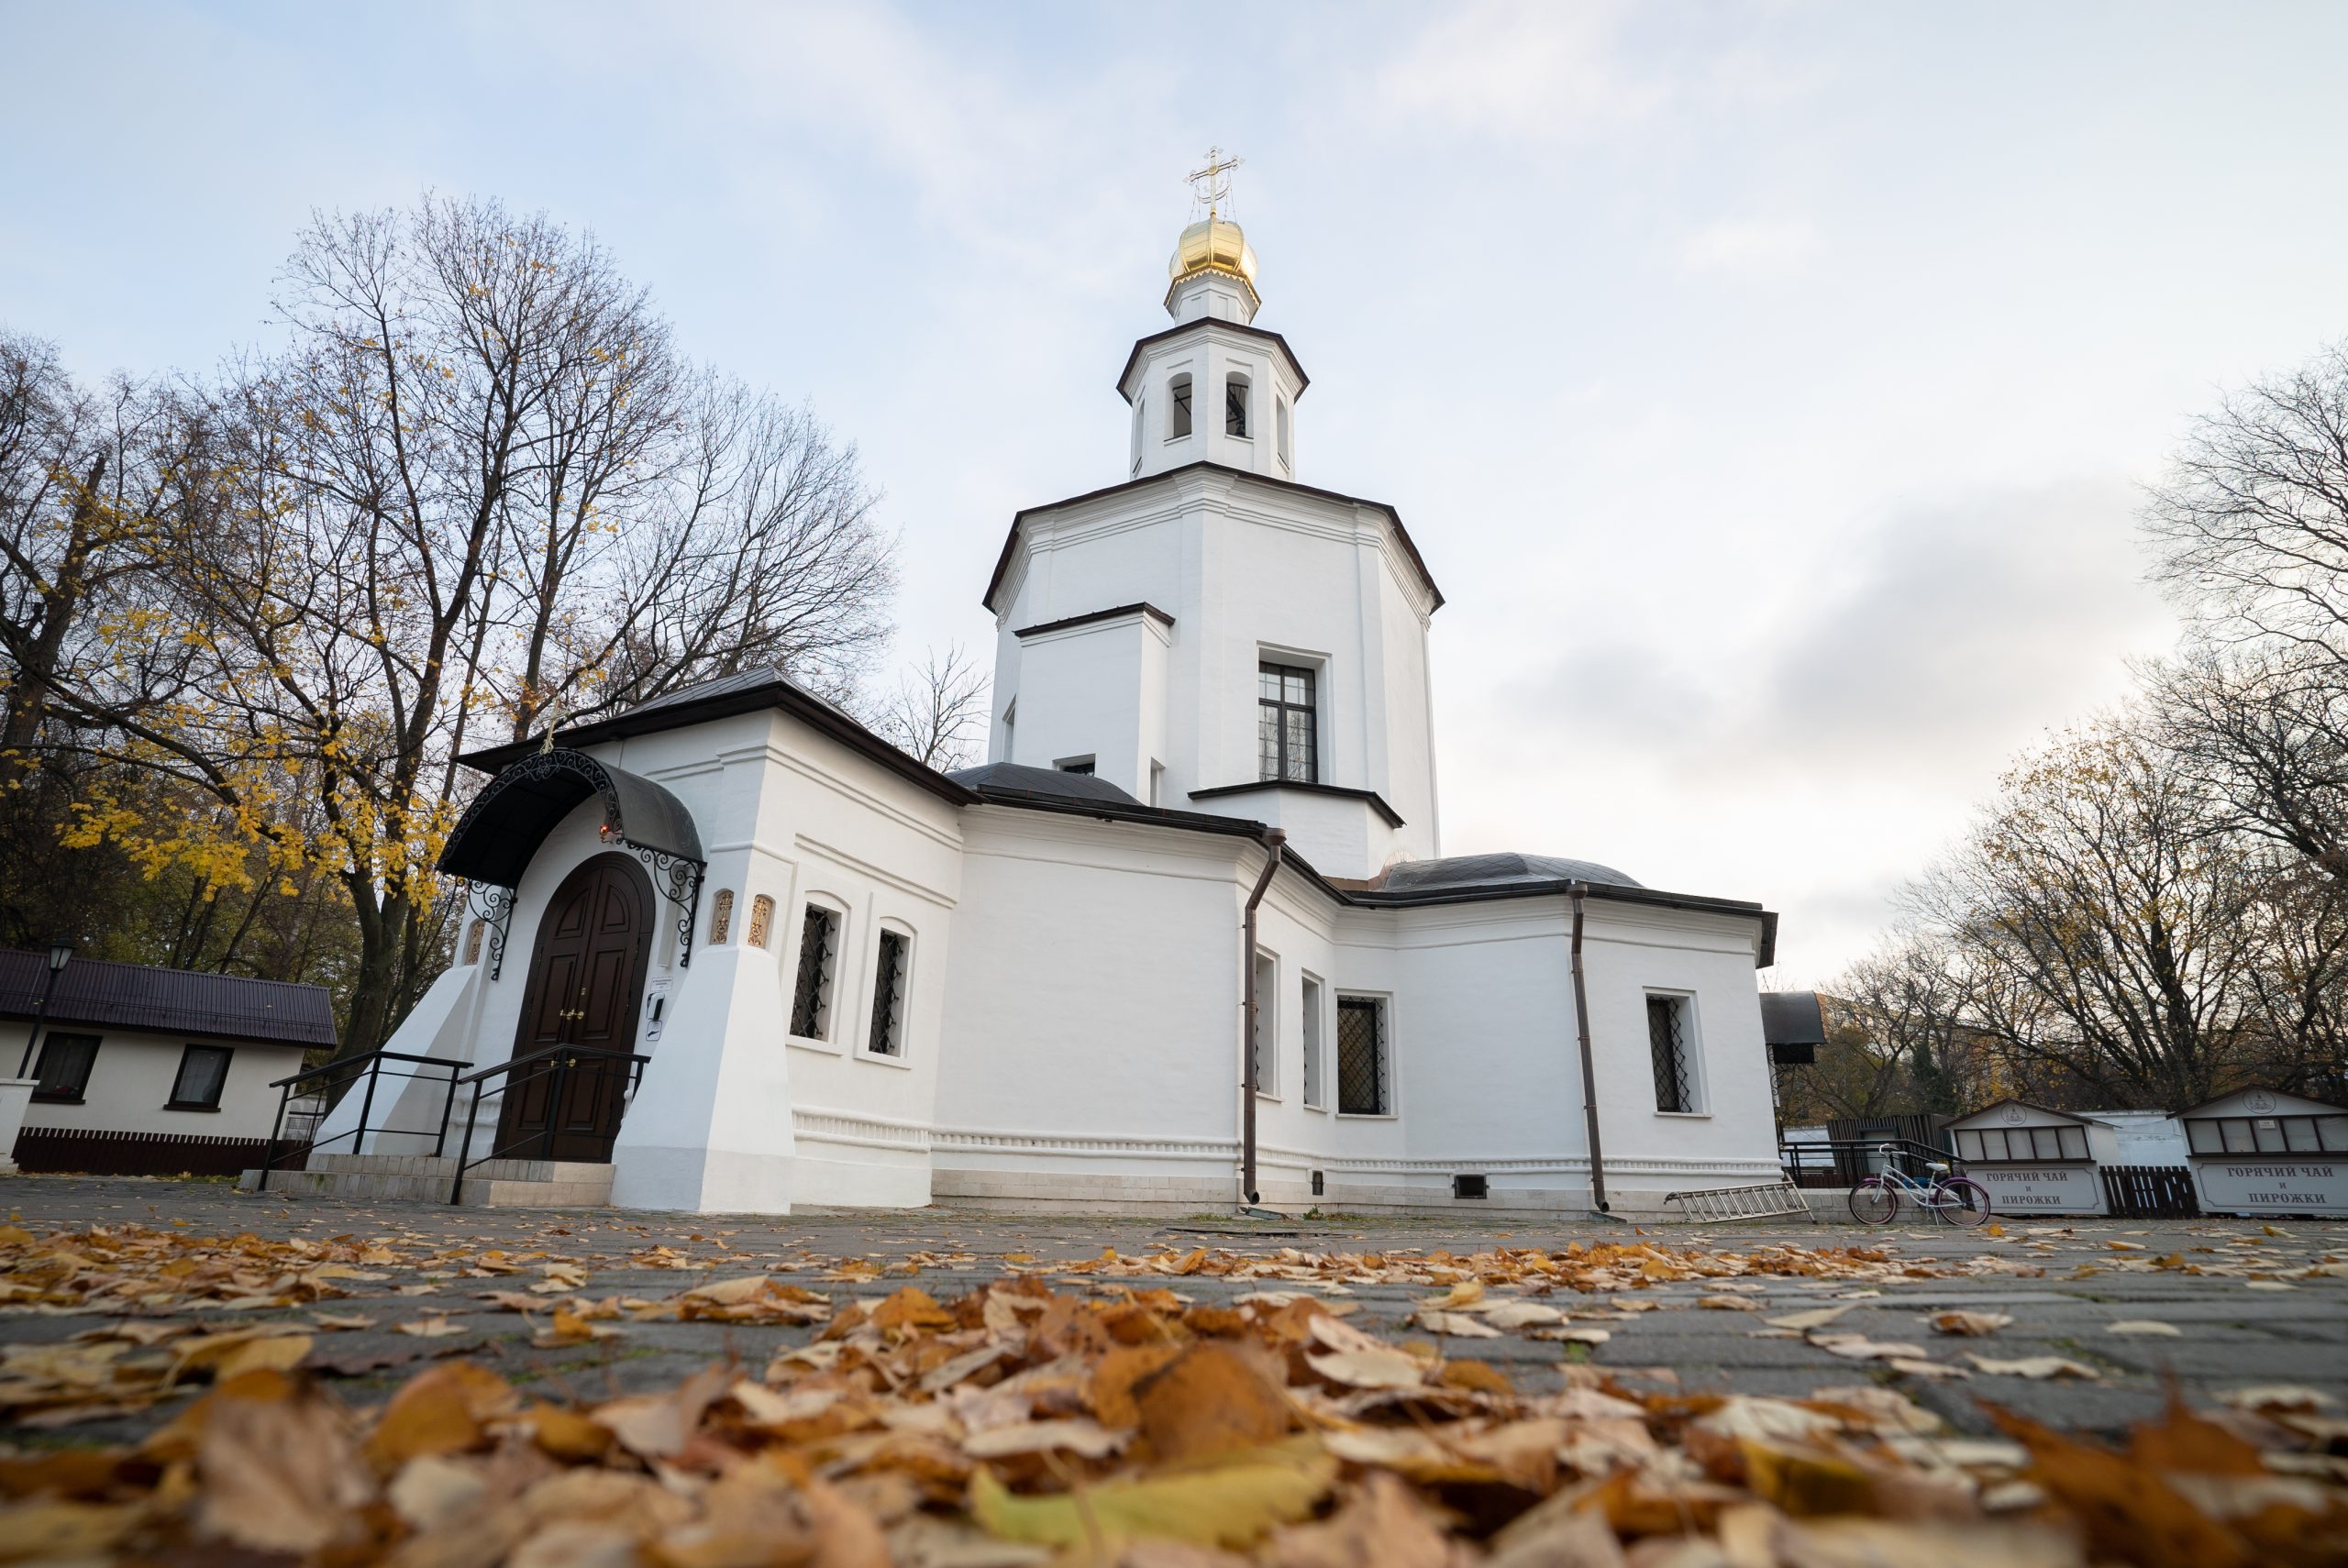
x,y
585,987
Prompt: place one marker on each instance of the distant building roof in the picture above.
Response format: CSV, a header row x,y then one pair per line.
x,y
99,993
1456,872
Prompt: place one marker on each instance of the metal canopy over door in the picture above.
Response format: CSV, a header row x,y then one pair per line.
x,y
586,982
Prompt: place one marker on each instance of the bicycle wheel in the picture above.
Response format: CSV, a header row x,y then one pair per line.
x,y
1963,1202
1873,1203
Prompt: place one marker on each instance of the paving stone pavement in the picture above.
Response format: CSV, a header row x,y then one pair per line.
x,y
2233,1332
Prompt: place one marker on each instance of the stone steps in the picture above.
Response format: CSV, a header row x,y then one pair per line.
x,y
425,1178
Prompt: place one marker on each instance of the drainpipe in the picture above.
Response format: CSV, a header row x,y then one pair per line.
x,y
1579,890
1274,842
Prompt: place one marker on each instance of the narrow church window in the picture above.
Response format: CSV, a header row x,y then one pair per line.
x,y
889,996
761,919
1082,765
1010,720
721,917
1279,428
1362,1089
1310,1036
811,1002
1268,1026
1286,726
1235,406
1141,423
1675,1079
1177,415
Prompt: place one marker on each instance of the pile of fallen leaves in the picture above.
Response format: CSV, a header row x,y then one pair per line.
x,y
1090,1413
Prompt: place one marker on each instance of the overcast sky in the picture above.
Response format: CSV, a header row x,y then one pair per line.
x,y
1767,386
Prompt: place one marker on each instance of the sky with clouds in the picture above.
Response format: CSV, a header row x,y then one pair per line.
x,y
1768,385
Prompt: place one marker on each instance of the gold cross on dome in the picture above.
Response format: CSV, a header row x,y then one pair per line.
x,y
1212,184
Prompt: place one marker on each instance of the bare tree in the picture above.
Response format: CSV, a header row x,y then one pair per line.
x,y
479,484
936,714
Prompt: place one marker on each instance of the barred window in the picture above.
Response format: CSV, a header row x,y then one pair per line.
x,y
1675,1077
1362,1068
889,996
204,1072
1315,1095
1178,412
811,1002
1286,728
65,1063
1268,1022
1235,406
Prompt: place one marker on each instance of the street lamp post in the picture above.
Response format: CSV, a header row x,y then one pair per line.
x,y
61,953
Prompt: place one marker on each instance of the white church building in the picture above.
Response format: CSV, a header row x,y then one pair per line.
x,y
848,979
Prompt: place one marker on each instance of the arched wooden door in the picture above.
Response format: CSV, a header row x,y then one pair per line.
x,y
586,988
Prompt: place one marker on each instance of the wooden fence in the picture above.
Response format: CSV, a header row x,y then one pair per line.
x,y
2150,1192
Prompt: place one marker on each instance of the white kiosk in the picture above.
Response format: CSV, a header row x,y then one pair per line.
x,y
2263,1151
2032,1160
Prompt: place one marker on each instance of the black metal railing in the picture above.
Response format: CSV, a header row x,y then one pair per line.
x,y
1847,1161
566,1061
323,1080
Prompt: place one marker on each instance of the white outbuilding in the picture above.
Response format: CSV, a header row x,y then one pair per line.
x,y
834,977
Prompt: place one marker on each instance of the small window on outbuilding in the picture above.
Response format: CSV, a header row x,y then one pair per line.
x,y
811,1000
890,973
1235,406
65,1069
1178,411
204,1073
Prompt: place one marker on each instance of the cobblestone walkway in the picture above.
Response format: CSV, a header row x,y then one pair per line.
x,y
2245,1327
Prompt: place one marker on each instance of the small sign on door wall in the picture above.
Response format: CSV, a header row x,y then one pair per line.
x,y
2039,1189
2274,1187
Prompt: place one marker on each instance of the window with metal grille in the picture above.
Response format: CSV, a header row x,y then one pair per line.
x,y
1235,406
204,1072
1268,1025
1315,1094
889,995
65,1064
1178,409
1361,1057
1285,727
811,1002
1675,1079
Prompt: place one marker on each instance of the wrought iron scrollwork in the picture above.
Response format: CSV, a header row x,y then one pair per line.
x,y
494,905
679,879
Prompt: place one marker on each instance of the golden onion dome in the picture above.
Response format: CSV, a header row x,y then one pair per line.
x,y
1213,245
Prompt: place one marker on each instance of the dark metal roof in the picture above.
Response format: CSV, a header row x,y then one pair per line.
x,y
100,994
1375,802
1011,540
515,811
1016,778
1139,607
1199,323
1792,1018
745,692
1462,873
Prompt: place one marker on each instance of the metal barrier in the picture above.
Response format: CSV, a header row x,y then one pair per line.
x,y
1847,1161
341,1074
566,1059
2150,1192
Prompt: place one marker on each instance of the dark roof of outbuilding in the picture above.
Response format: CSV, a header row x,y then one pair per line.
x,y
100,993
1016,778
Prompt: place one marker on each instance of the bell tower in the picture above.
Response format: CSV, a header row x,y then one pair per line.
x,y
1213,387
